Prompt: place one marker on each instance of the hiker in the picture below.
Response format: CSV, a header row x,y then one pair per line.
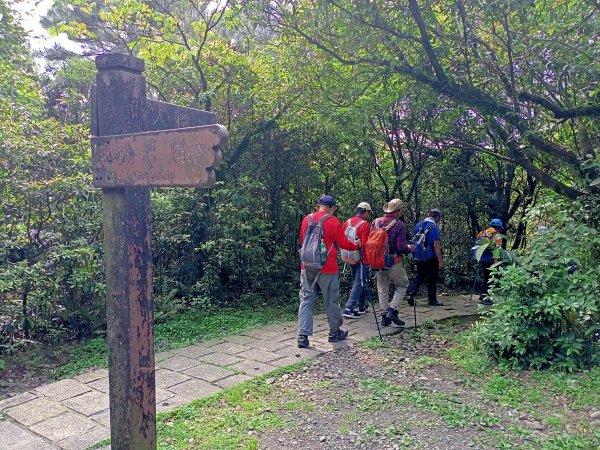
x,y
428,259
327,278
397,246
357,226
487,260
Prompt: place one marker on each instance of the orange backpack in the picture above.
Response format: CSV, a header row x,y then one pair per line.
x,y
375,250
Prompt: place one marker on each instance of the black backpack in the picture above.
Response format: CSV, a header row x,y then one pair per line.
x,y
312,252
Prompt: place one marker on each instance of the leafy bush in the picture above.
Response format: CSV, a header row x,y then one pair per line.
x,y
547,305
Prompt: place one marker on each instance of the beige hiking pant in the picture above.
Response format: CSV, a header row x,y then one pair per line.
x,y
397,275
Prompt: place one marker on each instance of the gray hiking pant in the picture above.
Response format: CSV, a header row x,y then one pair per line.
x,y
329,285
397,275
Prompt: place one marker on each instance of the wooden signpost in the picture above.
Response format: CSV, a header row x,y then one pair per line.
x,y
139,143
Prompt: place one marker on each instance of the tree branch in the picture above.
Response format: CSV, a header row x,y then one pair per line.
x,y
561,113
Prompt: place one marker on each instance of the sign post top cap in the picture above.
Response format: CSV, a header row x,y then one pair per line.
x,y
113,61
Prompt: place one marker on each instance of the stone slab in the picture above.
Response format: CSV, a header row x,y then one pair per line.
x,y
14,437
269,346
194,351
233,380
208,372
253,368
163,394
293,350
100,385
241,339
259,355
163,356
103,418
230,348
64,426
16,400
172,403
92,375
220,359
88,403
194,388
212,342
178,363
167,378
62,389
87,439
35,411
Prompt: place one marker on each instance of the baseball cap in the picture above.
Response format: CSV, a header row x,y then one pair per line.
x,y
496,223
364,205
434,212
326,200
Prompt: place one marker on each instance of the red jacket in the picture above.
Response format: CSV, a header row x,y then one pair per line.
x,y
332,234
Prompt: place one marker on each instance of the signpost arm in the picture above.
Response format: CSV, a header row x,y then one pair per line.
x,y
119,108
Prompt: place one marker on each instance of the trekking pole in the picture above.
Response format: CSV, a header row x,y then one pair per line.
x,y
415,311
373,305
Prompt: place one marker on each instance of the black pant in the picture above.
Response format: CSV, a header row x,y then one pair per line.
x,y
426,270
486,266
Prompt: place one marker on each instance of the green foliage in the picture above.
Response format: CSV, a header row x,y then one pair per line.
x,y
242,260
547,305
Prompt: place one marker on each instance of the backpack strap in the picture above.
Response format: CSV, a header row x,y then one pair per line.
x,y
359,223
390,225
323,219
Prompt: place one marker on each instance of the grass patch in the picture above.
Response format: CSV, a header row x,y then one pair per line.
x,y
373,343
228,420
452,410
180,331
424,361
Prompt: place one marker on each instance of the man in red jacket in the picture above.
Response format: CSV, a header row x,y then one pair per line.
x,y
360,271
328,280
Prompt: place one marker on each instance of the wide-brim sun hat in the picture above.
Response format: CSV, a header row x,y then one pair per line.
x,y
393,205
364,205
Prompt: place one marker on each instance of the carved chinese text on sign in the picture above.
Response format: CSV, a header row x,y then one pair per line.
x,y
179,157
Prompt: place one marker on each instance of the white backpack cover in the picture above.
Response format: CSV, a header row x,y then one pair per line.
x,y
351,256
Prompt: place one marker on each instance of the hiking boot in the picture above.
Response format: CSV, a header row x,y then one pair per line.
x,y
392,315
350,314
303,341
339,335
410,300
385,321
435,303
486,301
362,309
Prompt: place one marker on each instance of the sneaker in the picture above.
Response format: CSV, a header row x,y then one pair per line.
x,y
362,309
339,335
350,314
392,314
303,341
435,303
385,321
410,300
486,301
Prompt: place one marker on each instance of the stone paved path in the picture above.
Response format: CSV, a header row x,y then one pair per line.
x,y
73,413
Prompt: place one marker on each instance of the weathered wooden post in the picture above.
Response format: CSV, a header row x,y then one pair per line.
x,y
130,154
